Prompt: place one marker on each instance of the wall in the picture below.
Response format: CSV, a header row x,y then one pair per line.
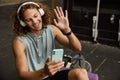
x,y
11,2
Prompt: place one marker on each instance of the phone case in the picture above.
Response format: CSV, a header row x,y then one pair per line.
x,y
57,54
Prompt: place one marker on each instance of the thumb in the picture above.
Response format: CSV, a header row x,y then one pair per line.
x,y
55,22
48,59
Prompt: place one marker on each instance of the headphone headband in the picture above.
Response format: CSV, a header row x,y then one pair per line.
x,y
26,3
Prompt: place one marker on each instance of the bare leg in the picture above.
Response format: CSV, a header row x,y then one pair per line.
x,y
78,74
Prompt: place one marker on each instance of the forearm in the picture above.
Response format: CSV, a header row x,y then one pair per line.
x,y
74,43
35,75
70,41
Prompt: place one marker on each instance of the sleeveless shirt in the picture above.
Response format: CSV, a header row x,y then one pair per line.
x,y
38,47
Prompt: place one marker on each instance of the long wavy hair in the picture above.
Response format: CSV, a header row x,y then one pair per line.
x,y
21,31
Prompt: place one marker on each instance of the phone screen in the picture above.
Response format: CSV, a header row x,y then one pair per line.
x,y
57,54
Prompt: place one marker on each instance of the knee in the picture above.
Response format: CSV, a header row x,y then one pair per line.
x,y
80,71
79,74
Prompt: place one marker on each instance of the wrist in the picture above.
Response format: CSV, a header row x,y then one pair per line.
x,y
43,72
68,33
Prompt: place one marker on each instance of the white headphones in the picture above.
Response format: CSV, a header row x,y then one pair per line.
x,y
22,23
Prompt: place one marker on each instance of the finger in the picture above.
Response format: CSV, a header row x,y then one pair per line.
x,y
61,11
57,66
58,11
57,61
48,59
56,14
66,13
55,22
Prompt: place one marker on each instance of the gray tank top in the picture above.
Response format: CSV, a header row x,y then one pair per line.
x,y
38,48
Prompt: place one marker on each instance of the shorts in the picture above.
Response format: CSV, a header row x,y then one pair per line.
x,y
60,75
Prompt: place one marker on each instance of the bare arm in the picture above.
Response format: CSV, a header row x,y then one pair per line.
x,y
51,67
22,64
62,23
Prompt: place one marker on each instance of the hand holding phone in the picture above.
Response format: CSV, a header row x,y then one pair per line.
x,y
57,54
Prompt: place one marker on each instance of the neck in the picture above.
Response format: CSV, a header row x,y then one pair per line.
x,y
37,32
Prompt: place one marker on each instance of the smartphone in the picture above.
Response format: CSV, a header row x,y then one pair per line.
x,y
57,54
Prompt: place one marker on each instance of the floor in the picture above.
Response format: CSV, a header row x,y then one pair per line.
x,y
105,59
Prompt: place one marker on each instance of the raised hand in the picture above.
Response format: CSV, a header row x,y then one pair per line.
x,y
61,20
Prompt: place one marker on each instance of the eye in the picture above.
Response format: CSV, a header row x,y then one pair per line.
x,y
27,20
36,15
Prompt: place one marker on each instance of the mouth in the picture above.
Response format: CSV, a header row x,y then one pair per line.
x,y
37,26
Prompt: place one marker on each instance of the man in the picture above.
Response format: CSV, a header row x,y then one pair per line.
x,y
34,42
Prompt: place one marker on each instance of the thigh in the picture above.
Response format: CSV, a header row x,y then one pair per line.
x,y
60,75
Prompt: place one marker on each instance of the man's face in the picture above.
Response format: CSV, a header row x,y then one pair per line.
x,y
33,19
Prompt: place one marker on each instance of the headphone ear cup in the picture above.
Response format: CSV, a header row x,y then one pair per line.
x,y
22,23
41,11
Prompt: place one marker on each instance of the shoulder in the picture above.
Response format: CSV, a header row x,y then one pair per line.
x,y
55,29
17,42
52,28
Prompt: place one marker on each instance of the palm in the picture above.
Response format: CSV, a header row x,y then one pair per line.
x,y
62,20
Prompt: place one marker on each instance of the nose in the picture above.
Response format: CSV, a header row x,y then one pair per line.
x,y
34,21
